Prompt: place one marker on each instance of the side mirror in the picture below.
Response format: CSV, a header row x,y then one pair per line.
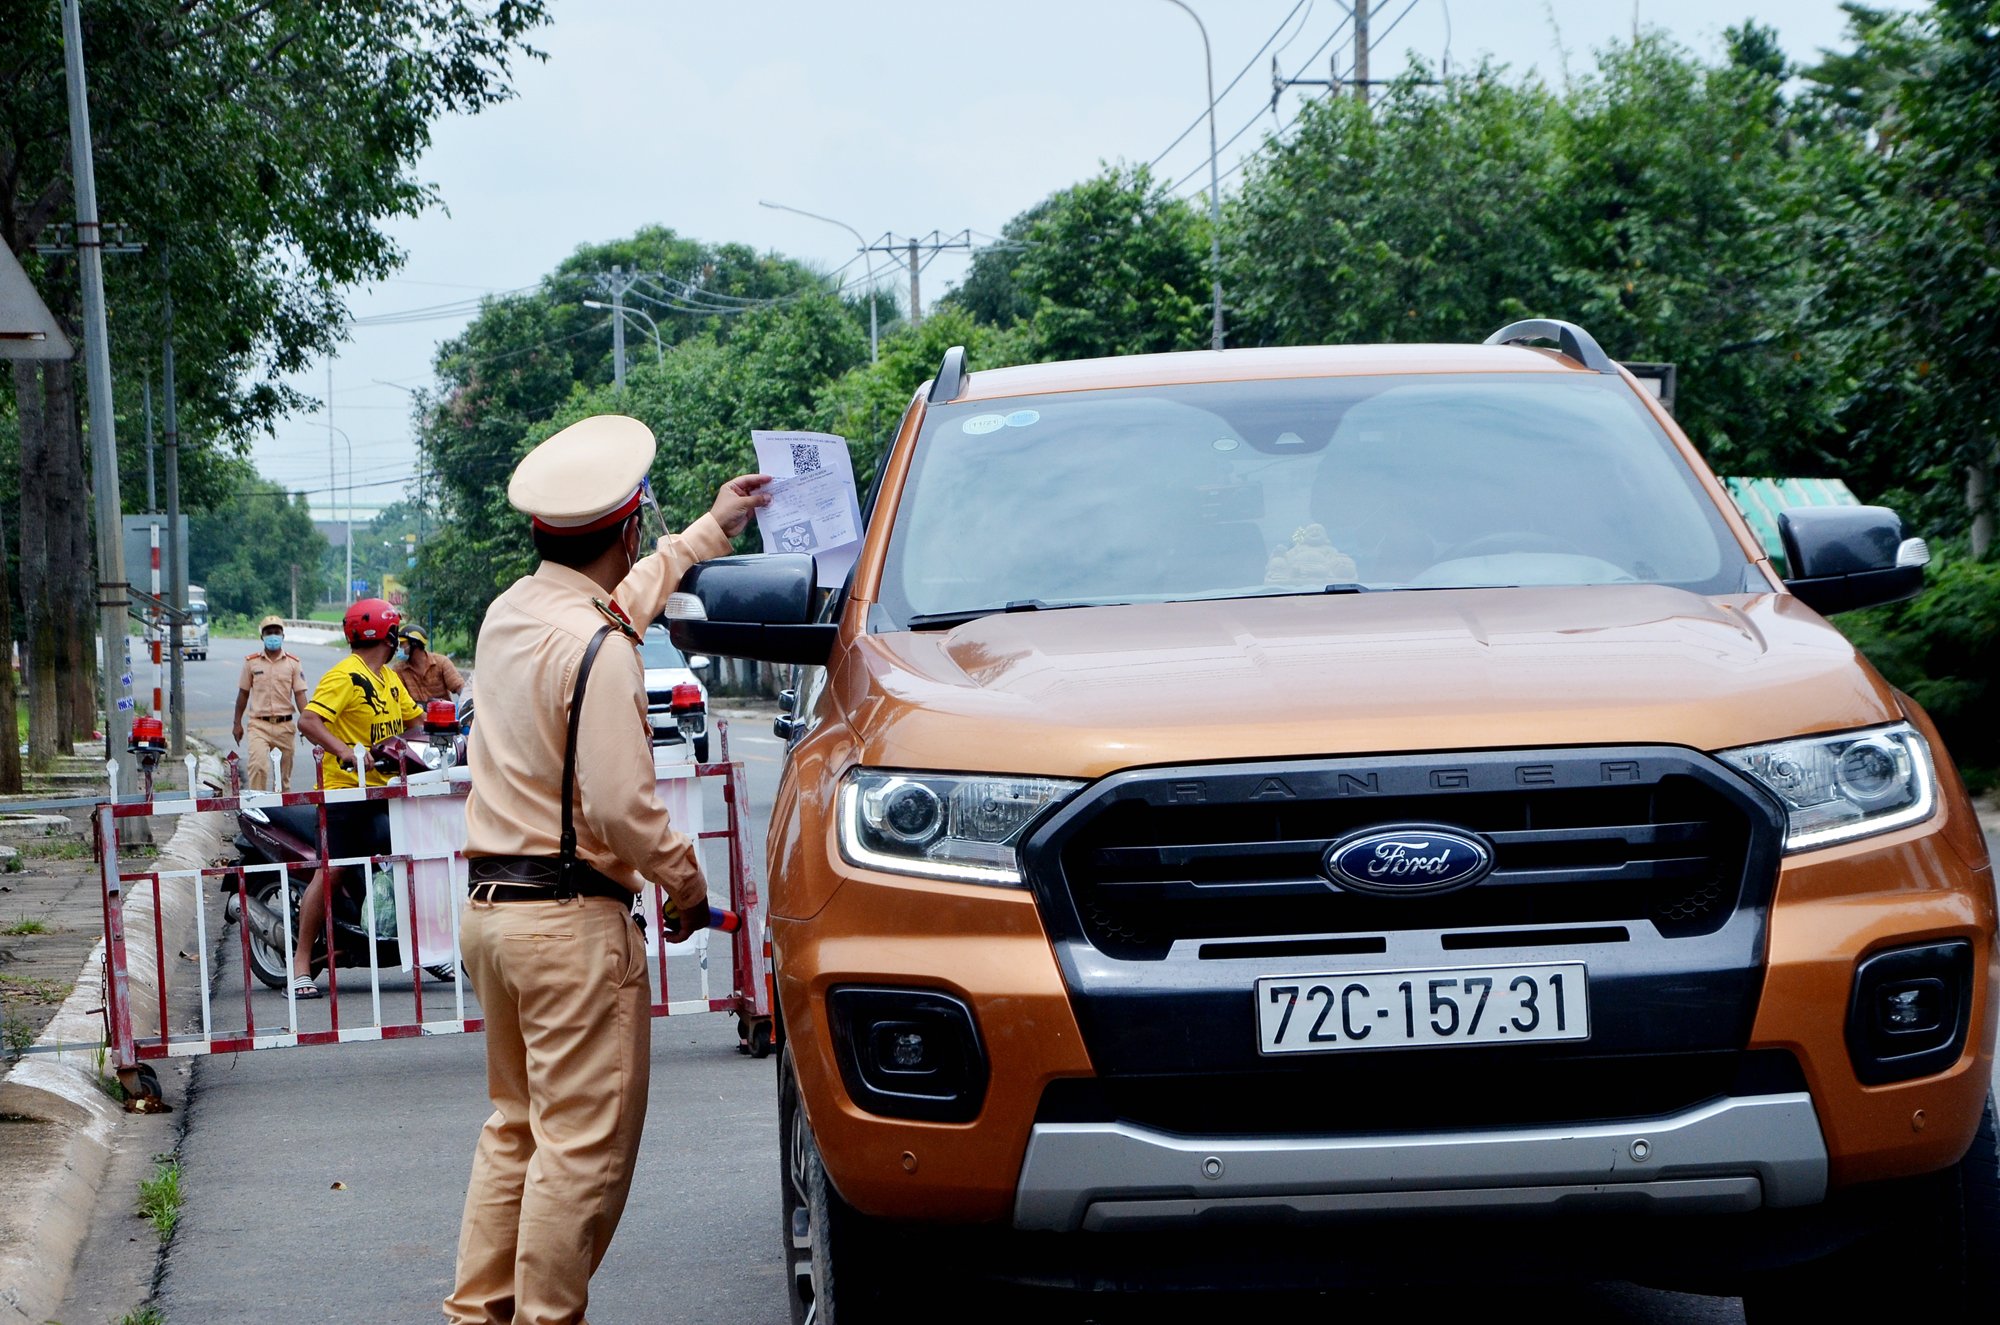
x,y
757,606
1841,558
698,663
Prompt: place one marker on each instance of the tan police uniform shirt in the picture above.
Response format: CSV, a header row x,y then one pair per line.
x,y
277,685
429,676
530,647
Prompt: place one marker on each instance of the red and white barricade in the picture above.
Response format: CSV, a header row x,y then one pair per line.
x,y
410,897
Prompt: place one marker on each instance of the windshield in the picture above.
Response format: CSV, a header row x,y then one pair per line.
x,y
657,651
1234,489
198,612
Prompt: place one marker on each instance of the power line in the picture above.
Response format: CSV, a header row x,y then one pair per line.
x,y
1196,123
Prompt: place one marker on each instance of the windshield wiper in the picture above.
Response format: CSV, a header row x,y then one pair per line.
x,y
946,620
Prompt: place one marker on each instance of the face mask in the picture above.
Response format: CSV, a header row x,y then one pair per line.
x,y
272,643
402,655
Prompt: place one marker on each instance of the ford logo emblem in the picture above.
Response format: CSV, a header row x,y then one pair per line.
x,y
1408,860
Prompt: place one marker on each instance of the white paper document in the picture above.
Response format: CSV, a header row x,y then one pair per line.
x,y
813,507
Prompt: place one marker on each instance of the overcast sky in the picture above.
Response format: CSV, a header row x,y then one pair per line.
x,y
892,115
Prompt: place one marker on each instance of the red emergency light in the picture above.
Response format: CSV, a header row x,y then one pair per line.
x,y
440,715
148,734
686,695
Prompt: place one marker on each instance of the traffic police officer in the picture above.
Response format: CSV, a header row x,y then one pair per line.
x,y
553,953
272,687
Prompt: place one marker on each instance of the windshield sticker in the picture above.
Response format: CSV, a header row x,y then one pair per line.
x,y
1022,418
980,424
1225,443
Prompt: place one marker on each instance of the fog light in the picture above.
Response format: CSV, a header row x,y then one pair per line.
x,y
1911,1005
908,1053
1909,1011
907,1050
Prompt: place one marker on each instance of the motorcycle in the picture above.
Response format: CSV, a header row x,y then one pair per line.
x,y
288,835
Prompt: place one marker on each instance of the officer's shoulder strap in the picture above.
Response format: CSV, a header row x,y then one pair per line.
x,y
617,619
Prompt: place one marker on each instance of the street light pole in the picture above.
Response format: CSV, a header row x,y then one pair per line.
x,y
659,354
333,487
1214,182
868,264
111,584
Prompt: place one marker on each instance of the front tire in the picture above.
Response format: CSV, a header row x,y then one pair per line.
x,y
1935,1259
701,748
841,1266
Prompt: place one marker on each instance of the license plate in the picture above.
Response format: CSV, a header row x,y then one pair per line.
x,y
1311,1014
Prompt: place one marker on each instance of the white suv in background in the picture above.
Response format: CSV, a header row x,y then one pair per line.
x,y
676,700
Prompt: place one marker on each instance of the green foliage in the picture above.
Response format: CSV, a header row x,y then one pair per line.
x,y
243,551
759,366
256,149
1114,265
1943,649
161,1196
1408,224
1657,202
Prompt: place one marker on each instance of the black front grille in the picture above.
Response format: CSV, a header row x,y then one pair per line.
x,y
1579,839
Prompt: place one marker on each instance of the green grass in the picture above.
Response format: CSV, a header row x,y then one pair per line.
x,y
160,1196
23,927
15,1036
143,1316
60,849
35,989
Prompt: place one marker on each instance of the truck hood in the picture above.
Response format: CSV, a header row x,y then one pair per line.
x,y
1082,692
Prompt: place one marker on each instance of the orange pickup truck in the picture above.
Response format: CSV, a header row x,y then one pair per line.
x,y
1328,816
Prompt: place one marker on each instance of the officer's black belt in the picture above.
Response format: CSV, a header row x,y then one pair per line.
x,y
538,879
274,717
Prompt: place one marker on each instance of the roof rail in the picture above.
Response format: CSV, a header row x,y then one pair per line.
x,y
950,377
1577,343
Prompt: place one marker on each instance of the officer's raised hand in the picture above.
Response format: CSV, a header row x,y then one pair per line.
x,y
736,499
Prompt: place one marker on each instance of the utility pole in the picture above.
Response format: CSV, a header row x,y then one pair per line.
x,y
868,265
1361,51
176,572
908,249
295,591
616,284
111,584
152,504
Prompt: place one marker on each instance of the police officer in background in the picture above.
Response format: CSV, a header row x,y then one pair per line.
x,y
272,686
547,934
427,675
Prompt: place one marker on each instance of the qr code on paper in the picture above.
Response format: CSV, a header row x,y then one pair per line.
x,y
805,458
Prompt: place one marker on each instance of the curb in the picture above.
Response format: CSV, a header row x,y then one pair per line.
x,y
55,1198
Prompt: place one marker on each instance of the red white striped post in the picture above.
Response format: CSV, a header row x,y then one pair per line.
x,y
159,629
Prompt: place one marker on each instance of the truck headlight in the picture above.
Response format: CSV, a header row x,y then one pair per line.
x,y
959,826
1838,788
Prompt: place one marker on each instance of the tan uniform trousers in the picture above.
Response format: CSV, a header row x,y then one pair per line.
x,y
568,1047
265,736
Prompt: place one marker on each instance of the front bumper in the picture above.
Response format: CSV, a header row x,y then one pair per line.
x,y
1727,1156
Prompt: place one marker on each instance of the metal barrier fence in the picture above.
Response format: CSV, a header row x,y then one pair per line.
x,y
427,877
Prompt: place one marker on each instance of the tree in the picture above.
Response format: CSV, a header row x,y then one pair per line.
x,y
1412,220
761,365
243,551
1926,89
1113,265
256,149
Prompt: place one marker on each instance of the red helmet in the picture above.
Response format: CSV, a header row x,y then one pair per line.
x,y
371,621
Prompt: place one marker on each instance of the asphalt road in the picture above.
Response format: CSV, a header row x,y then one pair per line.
x,y
325,1183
